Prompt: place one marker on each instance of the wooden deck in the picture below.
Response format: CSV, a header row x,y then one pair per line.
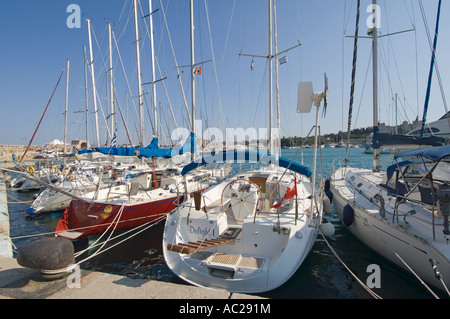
x,y
192,247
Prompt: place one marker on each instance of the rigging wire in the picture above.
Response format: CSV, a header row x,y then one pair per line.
x,y
177,67
220,110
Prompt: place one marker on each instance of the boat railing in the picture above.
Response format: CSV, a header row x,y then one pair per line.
x,y
402,199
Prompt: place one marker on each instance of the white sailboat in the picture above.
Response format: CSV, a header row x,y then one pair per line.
x,y
391,212
249,233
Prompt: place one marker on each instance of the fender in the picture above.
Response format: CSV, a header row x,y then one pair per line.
x,y
348,215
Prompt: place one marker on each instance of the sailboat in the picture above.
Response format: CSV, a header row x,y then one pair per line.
x,y
82,177
249,233
402,213
142,199
439,128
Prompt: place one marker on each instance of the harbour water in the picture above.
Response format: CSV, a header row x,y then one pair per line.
x,y
321,276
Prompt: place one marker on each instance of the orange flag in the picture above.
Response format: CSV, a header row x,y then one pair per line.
x,y
198,70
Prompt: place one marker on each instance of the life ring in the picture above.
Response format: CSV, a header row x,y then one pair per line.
x,y
31,170
348,215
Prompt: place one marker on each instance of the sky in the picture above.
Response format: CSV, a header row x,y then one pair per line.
x,y
38,37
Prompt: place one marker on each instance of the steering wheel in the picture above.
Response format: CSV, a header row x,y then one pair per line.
x,y
243,197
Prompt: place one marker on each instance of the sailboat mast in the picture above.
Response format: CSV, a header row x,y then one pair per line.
x,y
111,84
270,146
153,68
192,75
94,90
277,85
376,151
67,103
141,96
430,74
86,97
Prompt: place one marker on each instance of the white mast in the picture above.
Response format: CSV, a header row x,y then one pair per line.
x,y
67,104
192,74
153,68
376,152
86,97
277,86
94,90
111,84
141,96
270,146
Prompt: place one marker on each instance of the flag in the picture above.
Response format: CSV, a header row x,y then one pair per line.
x,y
251,66
198,70
113,141
73,150
290,192
283,60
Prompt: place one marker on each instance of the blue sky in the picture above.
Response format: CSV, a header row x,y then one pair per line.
x,y
35,43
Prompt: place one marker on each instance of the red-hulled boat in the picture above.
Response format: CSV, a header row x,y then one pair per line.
x,y
82,219
121,207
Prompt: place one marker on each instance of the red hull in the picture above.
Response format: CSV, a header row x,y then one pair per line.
x,y
94,219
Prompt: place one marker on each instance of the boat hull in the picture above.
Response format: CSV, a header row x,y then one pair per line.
x,y
86,219
265,252
393,241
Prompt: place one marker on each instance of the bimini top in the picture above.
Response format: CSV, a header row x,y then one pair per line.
x,y
245,157
431,153
392,168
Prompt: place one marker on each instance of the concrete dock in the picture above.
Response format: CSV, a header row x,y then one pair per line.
x,y
17,282
5,241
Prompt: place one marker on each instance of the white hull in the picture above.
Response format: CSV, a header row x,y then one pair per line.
x,y
390,236
267,252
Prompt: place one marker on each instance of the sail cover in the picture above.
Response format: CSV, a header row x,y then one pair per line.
x,y
385,139
152,150
245,157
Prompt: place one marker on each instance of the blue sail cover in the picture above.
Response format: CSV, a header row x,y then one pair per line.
x,y
152,150
385,139
246,156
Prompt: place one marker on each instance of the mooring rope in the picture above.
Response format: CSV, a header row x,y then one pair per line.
x,y
373,294
98,252
18,201
115,223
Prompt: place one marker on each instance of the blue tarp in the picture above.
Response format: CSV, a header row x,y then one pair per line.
x,y
431,153
246,156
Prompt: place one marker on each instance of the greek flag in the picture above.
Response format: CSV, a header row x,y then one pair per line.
x,y
113,141
283,60
73,150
